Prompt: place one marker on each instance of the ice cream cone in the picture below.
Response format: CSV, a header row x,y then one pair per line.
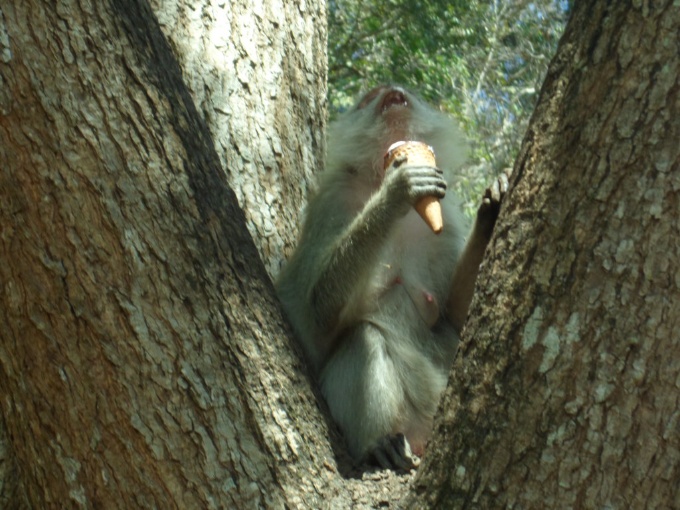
x,y
418,153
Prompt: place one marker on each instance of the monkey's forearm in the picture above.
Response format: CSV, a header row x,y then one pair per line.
x,y
351,259
465,276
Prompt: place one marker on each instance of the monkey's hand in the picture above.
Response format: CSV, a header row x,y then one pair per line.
x,y
405,185
491,205
394,452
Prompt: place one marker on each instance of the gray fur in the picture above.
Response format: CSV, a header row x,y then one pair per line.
x,y
354,288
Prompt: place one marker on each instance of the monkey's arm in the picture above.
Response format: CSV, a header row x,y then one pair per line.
x,y
348,263
465,273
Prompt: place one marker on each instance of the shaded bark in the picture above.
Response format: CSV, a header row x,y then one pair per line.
x,y
565,390
143,358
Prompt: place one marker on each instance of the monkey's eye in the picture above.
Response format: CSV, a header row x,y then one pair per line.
x,y
370,96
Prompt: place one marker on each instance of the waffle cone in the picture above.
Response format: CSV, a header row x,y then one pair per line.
x,y
418,153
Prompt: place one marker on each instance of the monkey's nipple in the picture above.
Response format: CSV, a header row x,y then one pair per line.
x,y
425,303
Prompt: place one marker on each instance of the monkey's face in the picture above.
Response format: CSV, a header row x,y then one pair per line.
x,y
358,140
385,97
391,107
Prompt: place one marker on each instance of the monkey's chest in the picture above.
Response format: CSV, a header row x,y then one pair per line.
x,y
412,278
406,282
408,294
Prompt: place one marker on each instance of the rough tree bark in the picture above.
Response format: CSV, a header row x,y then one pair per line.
x,y
256,71
143,360
566,391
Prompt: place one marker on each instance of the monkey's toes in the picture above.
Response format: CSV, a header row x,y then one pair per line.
x,y
394,452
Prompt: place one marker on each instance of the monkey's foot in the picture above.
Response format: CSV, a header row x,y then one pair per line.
x,y
394,452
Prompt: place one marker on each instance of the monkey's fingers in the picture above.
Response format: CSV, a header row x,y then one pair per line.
x,y
491,204
504,184
419,154
428,206
425,181
497,190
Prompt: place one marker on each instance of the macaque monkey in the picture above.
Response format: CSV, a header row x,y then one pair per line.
x,y
375,297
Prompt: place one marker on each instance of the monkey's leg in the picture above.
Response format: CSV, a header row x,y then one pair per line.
x,y
365,394
465,273
394,452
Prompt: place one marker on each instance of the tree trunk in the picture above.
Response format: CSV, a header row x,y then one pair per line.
x,y
143,359
255,71
565,391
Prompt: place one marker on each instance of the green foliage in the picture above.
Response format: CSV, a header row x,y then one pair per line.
x,y
483,61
